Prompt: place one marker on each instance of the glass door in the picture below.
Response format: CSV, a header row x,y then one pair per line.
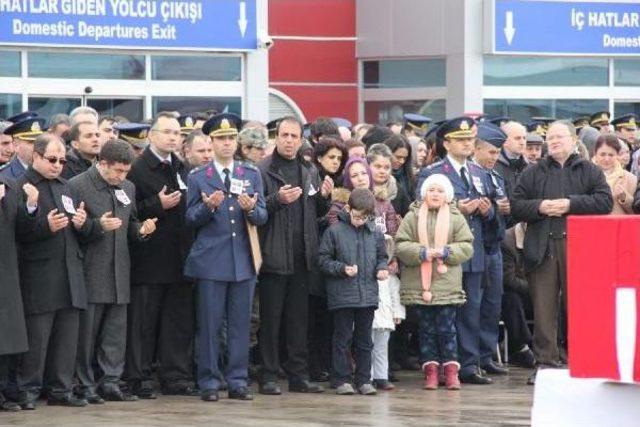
x,y
130,108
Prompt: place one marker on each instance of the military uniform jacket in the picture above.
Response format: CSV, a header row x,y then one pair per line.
x,y
479,186
13,218
222,250
160,258
106,254
51,274
13,170
494,230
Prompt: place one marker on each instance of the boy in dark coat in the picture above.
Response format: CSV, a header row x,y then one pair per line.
x,y
353,255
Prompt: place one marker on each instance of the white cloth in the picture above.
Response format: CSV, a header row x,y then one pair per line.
x,y
380,354
389,306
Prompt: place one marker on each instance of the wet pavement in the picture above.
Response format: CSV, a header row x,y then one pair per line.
x,y
505,403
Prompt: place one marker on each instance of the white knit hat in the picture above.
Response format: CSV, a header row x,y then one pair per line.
x,y
441,181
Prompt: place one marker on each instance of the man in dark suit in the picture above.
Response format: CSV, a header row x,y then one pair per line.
x,y
16,220
85,143
112,222
52,280
23,132
471,185
7,149
161,316
225,199
295,198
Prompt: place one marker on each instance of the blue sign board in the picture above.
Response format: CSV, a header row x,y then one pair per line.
x,y
565,28
130,24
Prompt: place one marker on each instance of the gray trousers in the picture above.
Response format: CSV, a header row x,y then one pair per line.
x,y
103,338
380,354
547,282
53,340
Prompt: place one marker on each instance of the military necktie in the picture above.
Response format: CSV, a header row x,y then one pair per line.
x,y
227,179
463,175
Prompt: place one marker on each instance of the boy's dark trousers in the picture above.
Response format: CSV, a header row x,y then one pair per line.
x,y
348,324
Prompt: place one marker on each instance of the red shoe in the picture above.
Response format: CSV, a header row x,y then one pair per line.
x,y
430,375
451,375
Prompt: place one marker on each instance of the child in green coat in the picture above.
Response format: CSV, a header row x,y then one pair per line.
x,y
433,241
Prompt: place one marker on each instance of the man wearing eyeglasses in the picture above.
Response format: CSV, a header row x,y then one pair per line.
x,y
85,143
160,318
23,132
559,185
52,280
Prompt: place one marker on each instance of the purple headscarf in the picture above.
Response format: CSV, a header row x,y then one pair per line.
x,y
346,176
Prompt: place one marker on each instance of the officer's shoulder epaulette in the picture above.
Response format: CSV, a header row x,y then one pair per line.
x,y
248,165
435,165
475,166
196,170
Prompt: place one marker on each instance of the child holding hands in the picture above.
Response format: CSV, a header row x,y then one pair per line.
x,y
353,257
433,241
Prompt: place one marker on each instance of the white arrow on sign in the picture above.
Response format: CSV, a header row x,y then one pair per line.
x,y
242,22
509,30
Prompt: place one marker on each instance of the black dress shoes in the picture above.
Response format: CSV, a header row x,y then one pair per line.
x,y
6,405
475,378
241,393
180,390
320,377
305,386
270,388
113,393
145,393
492,368
523,358
67,400
28,405
209,395
93,399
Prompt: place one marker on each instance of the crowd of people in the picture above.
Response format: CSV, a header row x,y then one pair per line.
x,y
197,252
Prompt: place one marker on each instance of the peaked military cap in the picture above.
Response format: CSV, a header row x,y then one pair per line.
x,y
460,127
27,130
628,121
22,116
581,122
416,122
225,124
187,123
601,118
536,127
134,133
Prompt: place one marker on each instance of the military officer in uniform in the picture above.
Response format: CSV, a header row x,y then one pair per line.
x,y
225,203
24,133
488,146
626,127
471,189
